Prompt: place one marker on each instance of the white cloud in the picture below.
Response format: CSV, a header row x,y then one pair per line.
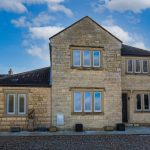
x,y
41,19
36,43
126,37
12,6
44,32
123,5
18,6
55,7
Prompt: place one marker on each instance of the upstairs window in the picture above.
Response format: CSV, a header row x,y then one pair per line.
x,y
145,66
96,58
86,58
130,66
76,58
138,66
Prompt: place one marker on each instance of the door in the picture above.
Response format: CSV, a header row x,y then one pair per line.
x,y
124,107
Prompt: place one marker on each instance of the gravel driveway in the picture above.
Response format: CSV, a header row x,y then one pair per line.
x,y
83,142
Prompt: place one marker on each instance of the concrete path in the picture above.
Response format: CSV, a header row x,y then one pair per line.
x,y
129,131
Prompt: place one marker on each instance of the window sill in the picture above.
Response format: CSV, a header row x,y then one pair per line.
x,y
87,68
137,73
14,115
87,113
142,111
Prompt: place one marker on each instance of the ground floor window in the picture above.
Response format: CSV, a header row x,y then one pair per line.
x,y
87,101
16,104
143,102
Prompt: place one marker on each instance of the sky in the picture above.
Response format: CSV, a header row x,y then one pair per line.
x,y
26,25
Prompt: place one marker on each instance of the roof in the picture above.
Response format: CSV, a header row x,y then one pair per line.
x,y
34,78
133,51
81,20
3,75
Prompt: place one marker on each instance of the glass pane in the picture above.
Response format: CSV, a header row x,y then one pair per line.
x,y
96,58
145,66
97,101
146,102
76,58
138,65
11,104
77,102
86,58
21,104
87,102
130,66
138,103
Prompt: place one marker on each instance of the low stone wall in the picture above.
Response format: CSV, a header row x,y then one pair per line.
x,y
38,99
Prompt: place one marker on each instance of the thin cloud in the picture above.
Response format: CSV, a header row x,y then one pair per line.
x,y
136,6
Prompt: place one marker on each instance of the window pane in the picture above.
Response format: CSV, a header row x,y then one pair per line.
x,y
11,103
77,102
87,102
86,58
146,102
21,104
138,66
130,65
138,102
145,66
76,58
97,101
96,58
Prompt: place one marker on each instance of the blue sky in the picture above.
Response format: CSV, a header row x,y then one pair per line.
x,y
26,25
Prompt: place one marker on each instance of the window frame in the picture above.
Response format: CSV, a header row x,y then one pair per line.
x,y
132,66
141,102
144,102
80,58
91,94
83,59
147,66
86,48
100,101
99,58
92,90
140,65
74,102
22,113
7,103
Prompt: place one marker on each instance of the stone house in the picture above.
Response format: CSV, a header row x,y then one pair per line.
x,y
94,79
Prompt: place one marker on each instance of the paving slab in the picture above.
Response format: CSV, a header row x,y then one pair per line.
x,y
128,131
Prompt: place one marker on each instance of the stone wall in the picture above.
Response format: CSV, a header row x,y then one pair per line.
x,y
134,84
38,99
86,33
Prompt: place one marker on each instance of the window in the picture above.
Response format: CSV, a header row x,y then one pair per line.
x,y
91,99
137,66
146,102
130,66
97,102
16,104
11,104
145,66
96,58
138,102
87,102
76,58
21,104
77,102
86,58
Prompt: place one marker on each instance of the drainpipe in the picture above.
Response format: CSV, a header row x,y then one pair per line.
x,y
50,82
